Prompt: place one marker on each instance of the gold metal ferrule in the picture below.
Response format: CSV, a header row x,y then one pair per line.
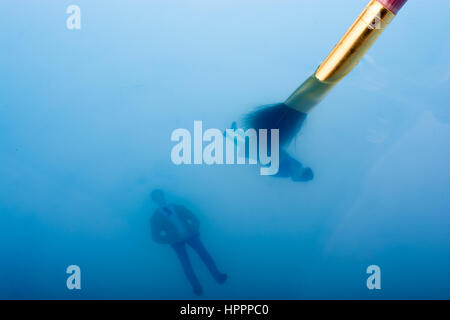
x,y
355,43
344,57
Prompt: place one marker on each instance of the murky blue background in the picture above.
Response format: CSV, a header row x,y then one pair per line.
x,y
85,124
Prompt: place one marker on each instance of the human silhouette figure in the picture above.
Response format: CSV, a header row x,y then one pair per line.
x,y
289,167
176,226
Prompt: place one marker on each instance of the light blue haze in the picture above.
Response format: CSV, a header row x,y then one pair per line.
x,y
85,124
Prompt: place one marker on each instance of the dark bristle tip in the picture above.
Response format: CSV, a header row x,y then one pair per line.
x,y
276,116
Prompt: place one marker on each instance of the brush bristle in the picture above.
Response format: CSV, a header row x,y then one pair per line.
x,y
276,116
393,5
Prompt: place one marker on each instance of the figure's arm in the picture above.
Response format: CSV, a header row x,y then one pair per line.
x,y
159,234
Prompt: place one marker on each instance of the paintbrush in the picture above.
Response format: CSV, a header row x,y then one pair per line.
x,y
289,116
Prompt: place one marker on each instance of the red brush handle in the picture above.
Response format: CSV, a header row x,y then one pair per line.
x,y
393,5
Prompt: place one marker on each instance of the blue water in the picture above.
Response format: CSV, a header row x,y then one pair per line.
x,y
85,123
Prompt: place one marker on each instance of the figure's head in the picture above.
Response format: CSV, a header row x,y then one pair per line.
x,y
158,197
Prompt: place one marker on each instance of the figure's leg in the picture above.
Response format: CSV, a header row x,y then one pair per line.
x,y
198,246
180,250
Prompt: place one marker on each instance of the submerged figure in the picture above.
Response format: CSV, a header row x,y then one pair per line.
x,y
177,226
292,168
289,167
